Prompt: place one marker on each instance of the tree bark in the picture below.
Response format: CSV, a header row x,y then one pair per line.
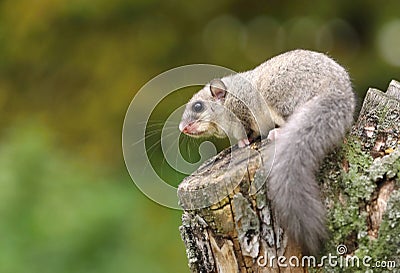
x,y
226,228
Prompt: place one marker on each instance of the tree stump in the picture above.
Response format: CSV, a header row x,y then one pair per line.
x,y
226,228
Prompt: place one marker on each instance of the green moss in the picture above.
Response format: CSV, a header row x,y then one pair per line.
x,y
347,216
355,188
382,115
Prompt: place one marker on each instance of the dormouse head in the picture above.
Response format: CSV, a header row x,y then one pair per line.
x,y
205,111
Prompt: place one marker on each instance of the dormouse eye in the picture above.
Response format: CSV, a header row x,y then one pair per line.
x,y
198,107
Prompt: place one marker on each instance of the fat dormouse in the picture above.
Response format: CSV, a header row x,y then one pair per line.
x,y
309,97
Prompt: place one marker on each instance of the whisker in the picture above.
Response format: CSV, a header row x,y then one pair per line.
x,y
152,121
149,135
166,152
151,154
153,148
176,161
158,142
149,125
190,144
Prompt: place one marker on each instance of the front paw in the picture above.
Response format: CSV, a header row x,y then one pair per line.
x,y
273,134
243,143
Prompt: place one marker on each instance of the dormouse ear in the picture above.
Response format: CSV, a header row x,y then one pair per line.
x,y
218,89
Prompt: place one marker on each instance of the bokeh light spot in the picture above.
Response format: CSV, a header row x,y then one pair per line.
x,y
389,42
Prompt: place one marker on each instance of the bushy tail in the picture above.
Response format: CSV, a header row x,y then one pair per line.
x,y
301,144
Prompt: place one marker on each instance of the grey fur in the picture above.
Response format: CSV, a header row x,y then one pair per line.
x,y
310,96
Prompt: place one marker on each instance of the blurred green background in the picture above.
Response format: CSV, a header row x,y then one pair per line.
x,y
68,71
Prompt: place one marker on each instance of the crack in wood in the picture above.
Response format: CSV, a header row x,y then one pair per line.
x,y
377,207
